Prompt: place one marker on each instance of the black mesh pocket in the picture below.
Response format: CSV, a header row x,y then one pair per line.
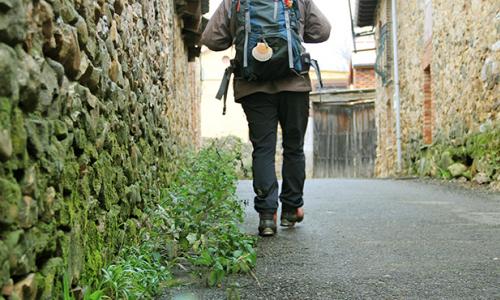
x,y
274,68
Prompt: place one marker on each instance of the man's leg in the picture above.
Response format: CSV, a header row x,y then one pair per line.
x,y
262,116
293,116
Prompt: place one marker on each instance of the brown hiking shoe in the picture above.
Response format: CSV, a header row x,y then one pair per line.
x,y
291,215
267,224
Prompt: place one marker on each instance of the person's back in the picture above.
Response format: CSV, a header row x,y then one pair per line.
x,y
269,98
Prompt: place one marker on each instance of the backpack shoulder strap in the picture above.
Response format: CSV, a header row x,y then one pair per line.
x,y
233,17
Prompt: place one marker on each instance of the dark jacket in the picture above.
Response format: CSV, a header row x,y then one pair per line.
x,y
314,28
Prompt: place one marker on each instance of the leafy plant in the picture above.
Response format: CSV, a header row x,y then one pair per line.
x,y
201,216
194,222
138,273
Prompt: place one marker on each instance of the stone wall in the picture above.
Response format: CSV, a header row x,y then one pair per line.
x,y
97,100
458,42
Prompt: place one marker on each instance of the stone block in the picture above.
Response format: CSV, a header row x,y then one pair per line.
x,y
58,68
484,165
84,65
490,73
28,212
26,288
49,88
68,12
68,49
21,257
29,79
118,6
445,160
481,178
41,37
38,136
115,72
91,47
13,22
457,169
9,86
28,183
91,78
49,204
5,145
82,30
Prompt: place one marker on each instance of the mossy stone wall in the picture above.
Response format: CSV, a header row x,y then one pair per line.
x,y
458,41
97,101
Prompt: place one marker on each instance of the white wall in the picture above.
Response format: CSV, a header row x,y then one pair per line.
x,y
213,123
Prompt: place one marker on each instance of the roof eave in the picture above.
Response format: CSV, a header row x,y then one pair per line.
x,y
365,12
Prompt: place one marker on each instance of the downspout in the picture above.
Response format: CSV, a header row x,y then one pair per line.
x,y
396,84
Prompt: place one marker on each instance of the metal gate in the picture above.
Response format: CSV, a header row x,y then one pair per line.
x,y
345,136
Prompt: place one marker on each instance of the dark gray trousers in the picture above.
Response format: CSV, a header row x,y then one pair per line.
x,y
264,112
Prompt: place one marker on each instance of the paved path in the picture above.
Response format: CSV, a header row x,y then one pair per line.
x,y
380,239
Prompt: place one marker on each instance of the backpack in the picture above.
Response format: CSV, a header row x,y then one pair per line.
x,y
267,42
266,38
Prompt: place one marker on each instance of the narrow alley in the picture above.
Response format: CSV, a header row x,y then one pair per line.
x,y
378,239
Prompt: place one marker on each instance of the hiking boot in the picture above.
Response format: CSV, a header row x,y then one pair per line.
x,y
267,224
291,215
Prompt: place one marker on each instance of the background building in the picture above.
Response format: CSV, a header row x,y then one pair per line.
x,y
449,56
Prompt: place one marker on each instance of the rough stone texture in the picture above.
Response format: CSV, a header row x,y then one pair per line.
x,y
463,55
97,101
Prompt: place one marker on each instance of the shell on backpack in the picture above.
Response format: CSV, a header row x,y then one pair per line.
x,y
262,52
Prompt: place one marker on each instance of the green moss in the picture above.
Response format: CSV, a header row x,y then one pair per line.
x,y
94,251
479,152
10,197
50,285
4,263
5,112
60,129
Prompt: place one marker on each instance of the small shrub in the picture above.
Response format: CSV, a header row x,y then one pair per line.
x,y
196,220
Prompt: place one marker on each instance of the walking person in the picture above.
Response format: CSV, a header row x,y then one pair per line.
x,y
272,84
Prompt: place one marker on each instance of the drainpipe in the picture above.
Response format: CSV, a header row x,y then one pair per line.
x,y
396,84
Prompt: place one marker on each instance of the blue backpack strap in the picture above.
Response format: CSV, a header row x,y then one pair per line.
x,y
230,12
289,38
248,28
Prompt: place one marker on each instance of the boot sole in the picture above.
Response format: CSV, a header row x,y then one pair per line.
x,y
267,232
286,223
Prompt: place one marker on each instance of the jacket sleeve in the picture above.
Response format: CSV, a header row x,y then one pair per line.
x,y
316,26
217,34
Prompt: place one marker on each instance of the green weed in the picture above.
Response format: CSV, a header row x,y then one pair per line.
x,y
194,222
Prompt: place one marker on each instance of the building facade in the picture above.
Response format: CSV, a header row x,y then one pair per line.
x,y
449,56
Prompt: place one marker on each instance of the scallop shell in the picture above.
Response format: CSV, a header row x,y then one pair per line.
x,y
262,52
